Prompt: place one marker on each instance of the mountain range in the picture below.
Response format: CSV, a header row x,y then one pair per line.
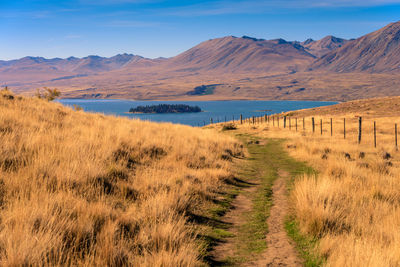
x,y
229,68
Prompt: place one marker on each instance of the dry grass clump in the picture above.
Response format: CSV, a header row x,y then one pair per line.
x,y
353,204
87,189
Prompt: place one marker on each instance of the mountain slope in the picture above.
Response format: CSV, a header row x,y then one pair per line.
x,y
235,68
323,46
245,54
376,52
31,69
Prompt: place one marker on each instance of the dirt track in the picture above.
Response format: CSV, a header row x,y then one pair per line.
x,y
280,251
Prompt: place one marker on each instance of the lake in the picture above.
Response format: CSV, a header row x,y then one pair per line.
x,y
218,110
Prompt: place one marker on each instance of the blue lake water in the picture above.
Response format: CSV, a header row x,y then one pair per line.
x,y
218,110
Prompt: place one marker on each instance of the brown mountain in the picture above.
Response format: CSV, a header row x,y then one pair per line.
x,y
34,69
323,46
223,55
226,68
376,52
245,54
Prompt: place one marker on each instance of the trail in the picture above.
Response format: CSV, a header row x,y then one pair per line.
x,y
280,251
268,169
240,205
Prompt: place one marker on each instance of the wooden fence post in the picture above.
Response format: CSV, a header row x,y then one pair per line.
x,y
344,128
313,124
290,124
241,119
273,121
374,134
359,129
395,135
320,122
296,124
278,121
331,127
284,121
253,119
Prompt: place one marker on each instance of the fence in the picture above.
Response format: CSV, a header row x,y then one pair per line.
x,y
334,126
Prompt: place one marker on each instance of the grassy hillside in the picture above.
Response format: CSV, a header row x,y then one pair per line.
x,y
352,205
372,108
87,189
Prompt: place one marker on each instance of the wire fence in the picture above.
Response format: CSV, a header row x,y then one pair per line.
x,y
332,127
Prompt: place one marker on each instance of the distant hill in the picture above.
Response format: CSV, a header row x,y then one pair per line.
x,y
227,68
30,69
376,52
245,54
323,46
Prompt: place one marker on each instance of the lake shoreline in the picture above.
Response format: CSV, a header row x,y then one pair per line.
x,y
211,111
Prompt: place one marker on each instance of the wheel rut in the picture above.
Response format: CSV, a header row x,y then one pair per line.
x,y
280,250
241,204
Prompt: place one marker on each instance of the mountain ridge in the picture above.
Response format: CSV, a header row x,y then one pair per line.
x,y
375,52
324,45
239,67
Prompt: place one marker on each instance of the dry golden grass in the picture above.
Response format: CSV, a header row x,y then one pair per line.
x,y
369,108
87,189
353,204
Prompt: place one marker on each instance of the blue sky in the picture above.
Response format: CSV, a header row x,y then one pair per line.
x,y
154,28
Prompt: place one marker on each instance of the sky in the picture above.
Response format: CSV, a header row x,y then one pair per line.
x,y
165,28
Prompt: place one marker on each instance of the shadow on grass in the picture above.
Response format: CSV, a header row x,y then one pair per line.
x,y
200,219
209,259
239,182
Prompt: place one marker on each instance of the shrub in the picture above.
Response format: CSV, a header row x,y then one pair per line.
x,y
229,126
48,94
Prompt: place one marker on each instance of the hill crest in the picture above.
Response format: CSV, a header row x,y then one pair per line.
x,y
376,52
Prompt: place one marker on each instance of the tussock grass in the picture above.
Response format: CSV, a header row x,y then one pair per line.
x,y
87,189
352,205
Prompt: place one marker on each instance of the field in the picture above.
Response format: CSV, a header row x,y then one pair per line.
x,y
94,190
352,205
88,189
